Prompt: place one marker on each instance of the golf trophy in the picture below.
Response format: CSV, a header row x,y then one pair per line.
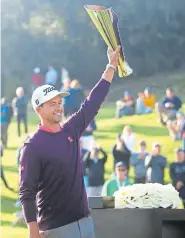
x,y
106,21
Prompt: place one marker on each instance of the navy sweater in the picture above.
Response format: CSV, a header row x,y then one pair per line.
x,y
52,190
175,101
95,170
177,173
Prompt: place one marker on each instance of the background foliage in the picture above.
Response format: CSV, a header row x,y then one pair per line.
x,y
42,32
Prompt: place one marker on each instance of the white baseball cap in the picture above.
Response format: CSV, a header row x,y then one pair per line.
x,y
155,144
36,70
44,93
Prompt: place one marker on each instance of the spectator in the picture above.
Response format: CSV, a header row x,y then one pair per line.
x,y
125,106
84,167
2,172
95,165
19,105
37,78
120,179
183,137
6,115
21,147
121,153
77,95
138,162
177,173
67,103
145,102
169,106
88,141
64,75
51,76
155,164
175,128
129,138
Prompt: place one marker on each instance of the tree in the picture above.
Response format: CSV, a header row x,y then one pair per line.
x,y
42,32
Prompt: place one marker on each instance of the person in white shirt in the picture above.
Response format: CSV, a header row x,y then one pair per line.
x,y
51,76
129,138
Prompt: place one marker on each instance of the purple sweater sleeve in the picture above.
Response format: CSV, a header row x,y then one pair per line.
x,y
29,176
78,122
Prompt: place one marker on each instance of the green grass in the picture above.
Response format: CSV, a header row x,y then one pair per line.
x,y
145,127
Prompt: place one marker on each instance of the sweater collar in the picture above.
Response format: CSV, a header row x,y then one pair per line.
x,y
43,128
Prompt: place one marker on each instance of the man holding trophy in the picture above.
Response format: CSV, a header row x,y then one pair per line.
x,y
50,167
52,190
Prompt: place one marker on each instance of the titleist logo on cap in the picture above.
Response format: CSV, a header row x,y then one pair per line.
x,y
47,90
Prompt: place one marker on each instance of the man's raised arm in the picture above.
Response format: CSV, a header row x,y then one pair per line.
x,y
81,119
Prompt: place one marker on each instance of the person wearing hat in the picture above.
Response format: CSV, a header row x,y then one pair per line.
x,y
88,140
6,116
2,170
19,105
125,106
77,95
145,102
95,164
155,164
138,162
120,152
51,76
175,128
37,78
177,173
120,179
169,106
51,188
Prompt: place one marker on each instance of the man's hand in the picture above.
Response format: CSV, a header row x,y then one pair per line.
x,y
33,230
113,59
113,56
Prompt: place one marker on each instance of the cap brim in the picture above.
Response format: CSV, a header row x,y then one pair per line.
x,y
53,95
156,145
64,94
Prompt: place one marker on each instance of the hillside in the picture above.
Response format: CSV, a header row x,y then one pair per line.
x,y
145,127
158,83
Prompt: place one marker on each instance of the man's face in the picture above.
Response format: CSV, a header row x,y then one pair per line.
x,y
52,110
169,93
121,172
127,97
95,154
180,157
142,148
127,131
156,150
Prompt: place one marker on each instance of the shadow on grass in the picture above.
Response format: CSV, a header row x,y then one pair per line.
x,y
9,199
104,136
10,169
115,128
150,130
12,148
7,207
140,129
106,112
8,223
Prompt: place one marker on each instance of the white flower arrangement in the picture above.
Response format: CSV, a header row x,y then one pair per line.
x,y
147,196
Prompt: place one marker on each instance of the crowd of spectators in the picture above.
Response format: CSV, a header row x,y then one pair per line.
x,y
148,165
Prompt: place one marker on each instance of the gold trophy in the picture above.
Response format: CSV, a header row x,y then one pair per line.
x,y
106,21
